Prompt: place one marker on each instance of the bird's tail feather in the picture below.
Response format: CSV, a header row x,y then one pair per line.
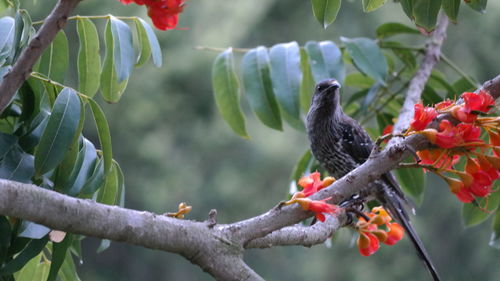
x,y
393,203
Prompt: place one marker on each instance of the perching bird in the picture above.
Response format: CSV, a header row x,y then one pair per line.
x,y
340,145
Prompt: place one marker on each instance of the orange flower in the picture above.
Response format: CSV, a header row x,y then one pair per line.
x,y
318,207
423,116
394,234
458,188
438,158
368,244
444,105
312,183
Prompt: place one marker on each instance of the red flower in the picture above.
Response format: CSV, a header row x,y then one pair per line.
x,y
394,234
313,183
318,207
469,132
387,130
482,175
448,136
368,244
481,102
458,188
423,116
163,13
446,104
438,158
126,2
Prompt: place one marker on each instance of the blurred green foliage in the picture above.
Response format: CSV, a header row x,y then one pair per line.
x,y
173,146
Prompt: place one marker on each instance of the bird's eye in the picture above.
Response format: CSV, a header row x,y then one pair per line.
x,y
321,88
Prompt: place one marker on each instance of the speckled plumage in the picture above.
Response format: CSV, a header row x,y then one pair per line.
x,y
340,145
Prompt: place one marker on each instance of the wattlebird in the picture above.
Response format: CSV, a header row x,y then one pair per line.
x,y
340,145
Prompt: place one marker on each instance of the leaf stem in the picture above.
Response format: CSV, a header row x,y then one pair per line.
x,y
457,69
91,17
37,75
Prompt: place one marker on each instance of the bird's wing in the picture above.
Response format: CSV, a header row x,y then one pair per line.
x,y
357,143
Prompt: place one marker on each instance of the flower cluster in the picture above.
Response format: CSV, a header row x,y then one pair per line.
x,y
378,229
312,184
164,13
454,141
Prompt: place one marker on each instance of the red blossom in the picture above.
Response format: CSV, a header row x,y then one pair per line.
x,y
368,244
163,13
312,183
481,102
423,116
444,105
387,130
438,158
469,132
458,188
448,136
126,2
394,234
318,207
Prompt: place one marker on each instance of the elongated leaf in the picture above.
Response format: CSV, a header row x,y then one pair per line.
x,y
32,271
369,98
68,270
33,230
104,134
358,80
7,143
83,170
307,84
121,185
17,166
5,236
259,89
413,182
31,250
407,6
226,90
426,12
372,5
7,29
123,49
326,11
303,165
495,235
367,57
59,254
108,194
460,86
89,60
96,180
55,59
430,96
451,8
473,215
394,28
111,88
148,42
478,5
325,60
60,131
286,76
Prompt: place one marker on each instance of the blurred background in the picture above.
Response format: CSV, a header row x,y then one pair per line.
x,y
173,146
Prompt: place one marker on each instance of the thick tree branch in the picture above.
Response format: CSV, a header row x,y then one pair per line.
x,y
493,87
22,68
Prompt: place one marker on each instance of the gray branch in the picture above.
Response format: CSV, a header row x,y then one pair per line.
x,y
21,70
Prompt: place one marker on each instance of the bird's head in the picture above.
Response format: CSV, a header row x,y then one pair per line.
x,y
326,94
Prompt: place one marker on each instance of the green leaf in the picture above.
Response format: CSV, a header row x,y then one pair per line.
x,y
477,5
121,185
303,165
96,180
123,48
473,215
5,236
407,6
286,76
326,61
7,30
495,235
60,131
55,59
358,80
372,5
89,60
32,230
108,194
37,269
59,254
326,11
32,249
426,12
68,270
406,56
111,88
7,143
430,96
367,57
104,134
259,89
17,166
460,86
412,182
22,34
83,170
226,90
451,8
148,42
307,84
104,245
394,28
369,98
